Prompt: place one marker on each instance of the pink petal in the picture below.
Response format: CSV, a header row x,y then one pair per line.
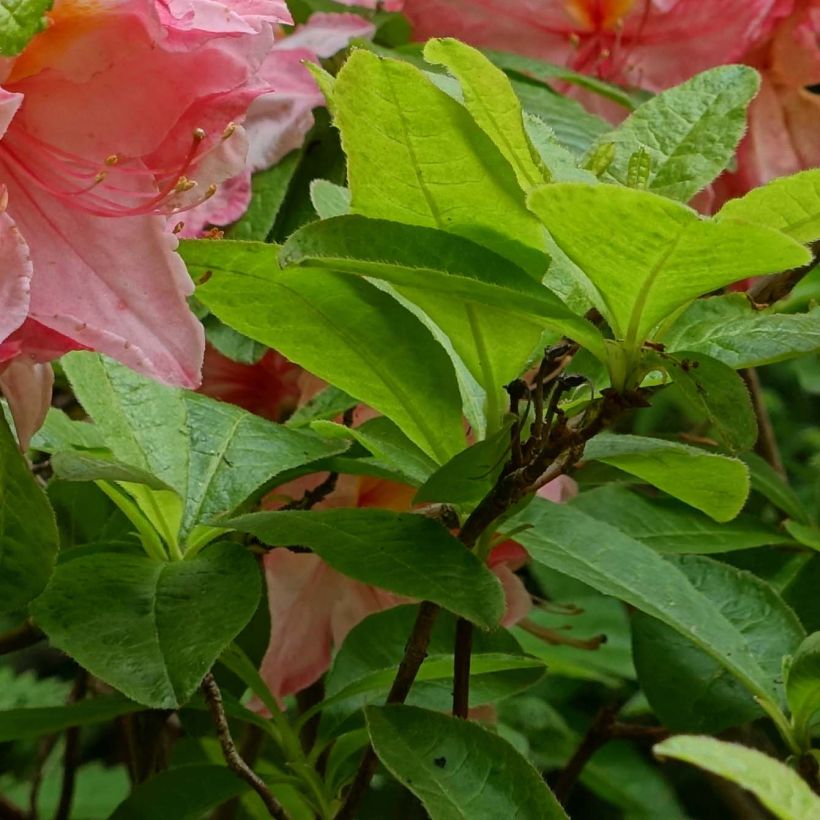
x,y
518,600
241,16
325,34
559,490
27,388
113,285
15,272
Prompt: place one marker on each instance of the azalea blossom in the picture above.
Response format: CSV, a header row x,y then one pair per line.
x,y
116,115
650,44
784,118
279,120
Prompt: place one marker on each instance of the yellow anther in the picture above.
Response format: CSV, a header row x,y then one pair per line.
x,y
113,159
229,130
199,134
212,189
184,184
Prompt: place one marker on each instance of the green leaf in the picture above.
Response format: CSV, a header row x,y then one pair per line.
x,y
492,311
213,454
33,722
489,97
690,132
28,531
691,691
329,199
803,686
268,191
342,329
808,536
183,792
770,484
715,390
20,20
470,475
229,343
568,540
458,769
779,788
669,527
74,465
148,628
364,668
388,444
401,552
646,256
789,204
327,404
715,484
730,329
416,156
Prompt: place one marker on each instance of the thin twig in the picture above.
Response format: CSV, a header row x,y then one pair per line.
x,y
598,734
236,764
461,668
71,753
414,654
19,638
766,445
313,497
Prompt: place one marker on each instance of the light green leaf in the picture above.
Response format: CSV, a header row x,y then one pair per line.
x,y
690,132
779,788
669,527
401,552
20,20
489,97
342,329
789,204
268,191
329,199
691,691
213,454
715,484
326,404
808,536
714,389
568,540
78,465
416,156
646,256
148,628
28,531
458,769
803,686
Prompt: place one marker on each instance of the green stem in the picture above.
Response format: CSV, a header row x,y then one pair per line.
x,y
151,542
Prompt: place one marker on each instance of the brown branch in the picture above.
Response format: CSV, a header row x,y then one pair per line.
x,y
766,445
312,497
598,734
71,753
461,668
771,289
213,697
414,654
21,637
8,811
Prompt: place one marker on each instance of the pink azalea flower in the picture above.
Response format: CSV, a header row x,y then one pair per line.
x,y
650,44
117,114
784,119
278,121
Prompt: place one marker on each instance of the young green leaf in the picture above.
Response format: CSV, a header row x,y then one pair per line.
x,y
402,552
489,97
571,542
670,527
647,256
329,199
691,691
717,391
28,530
779,788
415,155
715,484
148,628
213,454
20,20
730,329
458,769
690,132
789,204
803,686
342,329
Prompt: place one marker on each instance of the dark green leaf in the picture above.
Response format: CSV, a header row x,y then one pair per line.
x,y
148,628
803,685
459,770
28,530
401,552
770,484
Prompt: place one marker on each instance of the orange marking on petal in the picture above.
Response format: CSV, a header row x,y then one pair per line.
x,y
598,15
